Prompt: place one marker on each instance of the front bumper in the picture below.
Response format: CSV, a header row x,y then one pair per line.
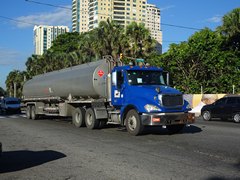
x,y
165,119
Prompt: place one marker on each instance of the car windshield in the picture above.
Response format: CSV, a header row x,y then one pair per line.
x,y
138,77
12,102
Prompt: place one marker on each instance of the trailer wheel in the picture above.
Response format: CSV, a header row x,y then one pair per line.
x,y
134,124
78,117
28,112
175,129
90,119
33,113
102,124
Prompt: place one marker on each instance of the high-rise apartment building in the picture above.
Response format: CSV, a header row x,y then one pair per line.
x,y
86,15
153,24
44,35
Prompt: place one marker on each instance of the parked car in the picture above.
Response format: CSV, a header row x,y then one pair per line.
x,y
224,108
9,104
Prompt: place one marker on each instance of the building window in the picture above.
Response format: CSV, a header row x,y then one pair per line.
x,y
134,18
134,5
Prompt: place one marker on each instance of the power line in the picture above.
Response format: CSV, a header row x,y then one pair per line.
x,y
109,15
48,4
18,20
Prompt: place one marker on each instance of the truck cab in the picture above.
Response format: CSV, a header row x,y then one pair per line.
x,y
144,90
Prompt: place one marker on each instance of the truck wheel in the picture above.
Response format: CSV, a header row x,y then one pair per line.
x,y
102,124
206,115
28,112
236,117
33,113
133,123
90,119
175,129
78,117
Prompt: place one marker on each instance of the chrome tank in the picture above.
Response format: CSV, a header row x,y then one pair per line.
x,y
83,81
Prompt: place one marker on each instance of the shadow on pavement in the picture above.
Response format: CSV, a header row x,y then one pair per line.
x,y
163,131
18,160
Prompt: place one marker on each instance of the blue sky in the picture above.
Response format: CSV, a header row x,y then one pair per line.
x,y
16,39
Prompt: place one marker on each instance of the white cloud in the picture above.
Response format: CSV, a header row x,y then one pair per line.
x,y
167,7
216,18
12,58
59,17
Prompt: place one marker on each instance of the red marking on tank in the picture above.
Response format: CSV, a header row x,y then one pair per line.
x,y
46,90
100,73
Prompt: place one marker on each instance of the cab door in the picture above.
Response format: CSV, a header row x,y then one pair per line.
x,y
118,88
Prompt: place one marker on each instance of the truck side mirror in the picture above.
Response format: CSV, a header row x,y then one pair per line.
x,y
166,77
114,78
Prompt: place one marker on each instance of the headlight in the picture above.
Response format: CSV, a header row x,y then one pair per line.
x,y
188,106
150,107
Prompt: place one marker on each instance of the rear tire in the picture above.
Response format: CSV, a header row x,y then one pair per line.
x,y
28,112
78,117
133,123
236,117
102,124
90,119
206,115
33,113
175,129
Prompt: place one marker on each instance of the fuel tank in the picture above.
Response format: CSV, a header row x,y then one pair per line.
x,y
83,81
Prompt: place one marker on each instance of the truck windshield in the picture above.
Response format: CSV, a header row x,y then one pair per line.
x,y
137,77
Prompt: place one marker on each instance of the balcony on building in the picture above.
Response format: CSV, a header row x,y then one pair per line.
x,y
119,0
74,1
118,13
119,4
120,22
74,24
74,20
118,17
74,13
74,16
119,8
91,9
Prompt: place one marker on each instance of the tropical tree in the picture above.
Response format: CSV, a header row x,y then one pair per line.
x,y
2,92
109,36
231,27
66,43
202,61
140,40
16,77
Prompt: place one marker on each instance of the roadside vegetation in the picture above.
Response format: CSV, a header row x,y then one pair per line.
x,y
208,59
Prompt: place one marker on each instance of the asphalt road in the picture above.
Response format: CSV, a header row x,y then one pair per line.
x,y
55,149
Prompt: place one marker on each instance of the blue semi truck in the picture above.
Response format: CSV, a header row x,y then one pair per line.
x,y
108,92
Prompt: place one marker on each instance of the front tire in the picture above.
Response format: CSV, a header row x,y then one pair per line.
x,y
90,119
206,115
175,129
133,123
28,112
79,117
236,117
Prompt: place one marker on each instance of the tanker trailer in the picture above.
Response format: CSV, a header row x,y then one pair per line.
x,y
107,92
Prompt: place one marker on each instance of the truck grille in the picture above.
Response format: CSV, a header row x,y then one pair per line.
x,y
172,100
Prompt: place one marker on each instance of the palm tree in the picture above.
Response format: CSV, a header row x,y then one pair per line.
x,y
109,37
231,27
142,44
